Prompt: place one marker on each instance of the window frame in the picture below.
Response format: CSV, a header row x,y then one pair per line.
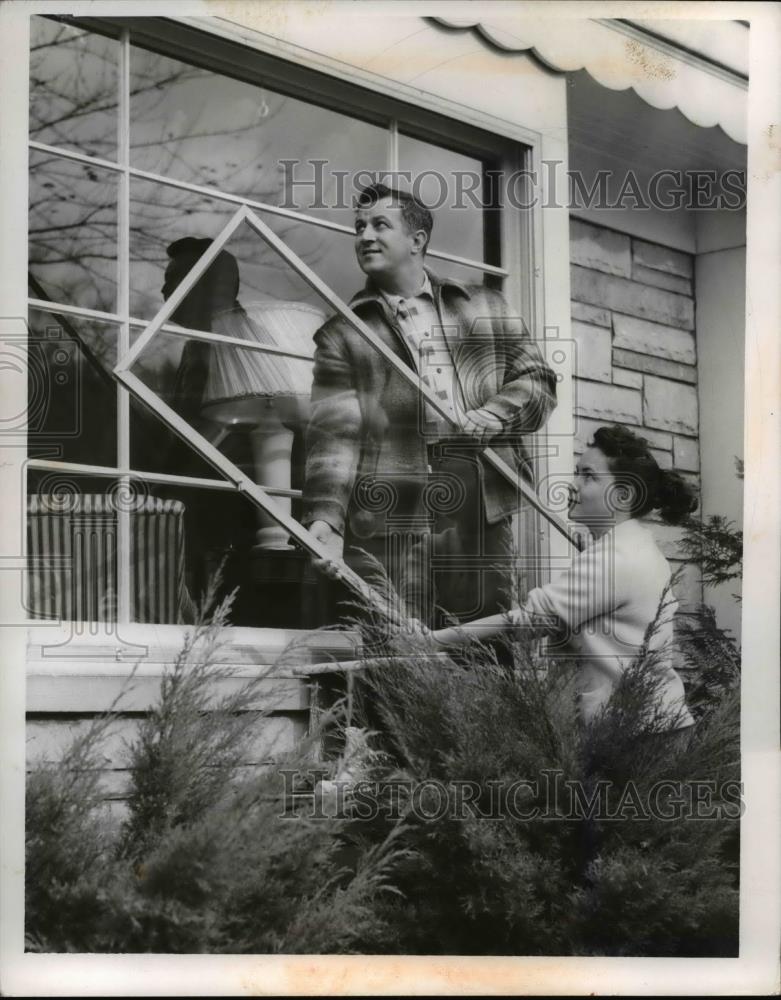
x,y
514,239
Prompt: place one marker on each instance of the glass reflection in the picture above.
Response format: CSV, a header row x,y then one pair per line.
x,y
73,88
72,394
203,128
452,185
73,233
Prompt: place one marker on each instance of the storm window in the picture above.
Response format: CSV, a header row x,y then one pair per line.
x,y
144,141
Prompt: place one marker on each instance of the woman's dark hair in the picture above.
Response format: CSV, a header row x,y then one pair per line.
x,y
652,488
224,268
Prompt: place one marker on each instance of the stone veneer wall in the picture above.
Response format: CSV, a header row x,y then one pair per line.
x,y
636,356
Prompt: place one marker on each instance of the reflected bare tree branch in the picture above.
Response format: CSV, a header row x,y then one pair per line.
x,y
73,206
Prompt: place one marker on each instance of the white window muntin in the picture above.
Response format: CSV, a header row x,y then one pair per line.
x,y
125,171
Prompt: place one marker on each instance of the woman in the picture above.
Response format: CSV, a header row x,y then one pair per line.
x,y
618,586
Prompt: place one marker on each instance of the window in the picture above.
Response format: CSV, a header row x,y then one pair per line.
x,y
142,135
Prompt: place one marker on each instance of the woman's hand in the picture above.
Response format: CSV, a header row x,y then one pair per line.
x,y
409,636
483,628
454,635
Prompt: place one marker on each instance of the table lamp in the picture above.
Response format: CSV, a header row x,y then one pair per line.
x,y
266,393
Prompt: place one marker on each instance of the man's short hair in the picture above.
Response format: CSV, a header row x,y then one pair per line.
x,y
414,213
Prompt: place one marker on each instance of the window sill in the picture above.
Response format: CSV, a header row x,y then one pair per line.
x,y
77,667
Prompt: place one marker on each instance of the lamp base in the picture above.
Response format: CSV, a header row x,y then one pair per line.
x,y
271,538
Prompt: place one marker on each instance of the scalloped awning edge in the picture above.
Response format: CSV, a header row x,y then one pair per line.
x,y
621,58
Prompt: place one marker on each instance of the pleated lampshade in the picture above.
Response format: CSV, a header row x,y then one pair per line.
x,y
236,374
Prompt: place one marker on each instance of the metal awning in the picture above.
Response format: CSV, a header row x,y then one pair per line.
x,y
667,64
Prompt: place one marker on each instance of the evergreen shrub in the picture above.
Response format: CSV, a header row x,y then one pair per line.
x,y
209,859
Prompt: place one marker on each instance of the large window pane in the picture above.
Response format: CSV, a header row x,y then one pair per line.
x,y
72,393
73,233
203,128
452,185
73,88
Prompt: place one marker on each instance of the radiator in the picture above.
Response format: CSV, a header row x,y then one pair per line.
x,y
72,558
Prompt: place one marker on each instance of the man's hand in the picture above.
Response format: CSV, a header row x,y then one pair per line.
x,y
482,424
332,542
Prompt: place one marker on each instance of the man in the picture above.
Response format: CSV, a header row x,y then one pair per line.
x,y
385,473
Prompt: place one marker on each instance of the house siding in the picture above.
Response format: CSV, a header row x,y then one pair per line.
x,y
633,327
70,684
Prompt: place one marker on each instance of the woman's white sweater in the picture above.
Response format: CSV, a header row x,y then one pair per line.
x,y
604,604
